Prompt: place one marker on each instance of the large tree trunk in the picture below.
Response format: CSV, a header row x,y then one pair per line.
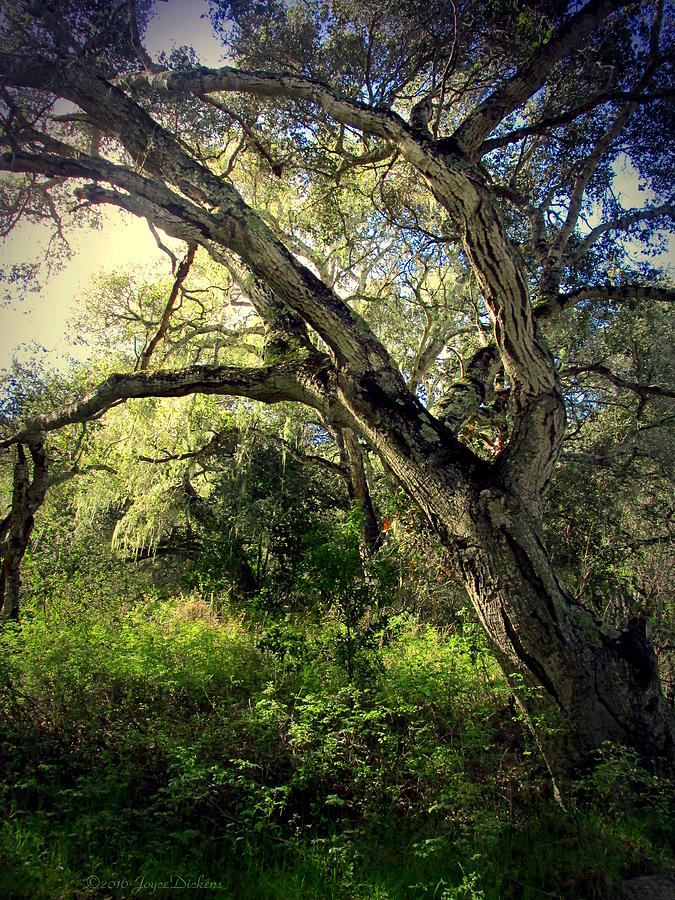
x,y
604,682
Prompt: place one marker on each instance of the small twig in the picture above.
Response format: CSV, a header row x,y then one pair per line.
x,y
141,52
162,246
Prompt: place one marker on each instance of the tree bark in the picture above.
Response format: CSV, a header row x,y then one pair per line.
x,y
359,491
604,683
27,497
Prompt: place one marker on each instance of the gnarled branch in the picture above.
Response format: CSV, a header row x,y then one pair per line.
x,y
509,96
303,381
619,293
642,390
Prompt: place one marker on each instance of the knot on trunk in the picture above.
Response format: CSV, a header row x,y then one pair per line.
x,y
634,646
493,503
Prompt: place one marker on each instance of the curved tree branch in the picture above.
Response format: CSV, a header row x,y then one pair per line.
x,y
304,381
202,82
619,293
223,216
642,390
510,95
564,118
631,217
141,52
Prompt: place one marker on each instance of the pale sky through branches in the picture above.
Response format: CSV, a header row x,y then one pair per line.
x,y
123,242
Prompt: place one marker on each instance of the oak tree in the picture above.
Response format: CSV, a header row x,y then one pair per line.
x,y
454,161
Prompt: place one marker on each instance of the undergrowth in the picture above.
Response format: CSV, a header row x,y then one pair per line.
x,y
160,745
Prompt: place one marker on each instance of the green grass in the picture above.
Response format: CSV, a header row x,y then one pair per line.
x,y
155,742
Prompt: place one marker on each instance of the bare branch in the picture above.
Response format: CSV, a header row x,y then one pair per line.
x,y
564,118
380,154
305,459
181,275
642,390
97,169
211,447
218,443
509,96
62,478
632,216
256,142
620,293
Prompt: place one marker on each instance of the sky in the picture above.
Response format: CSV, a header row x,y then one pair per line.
x,y
122,243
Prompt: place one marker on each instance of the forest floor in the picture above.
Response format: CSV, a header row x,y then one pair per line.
x,y
169,744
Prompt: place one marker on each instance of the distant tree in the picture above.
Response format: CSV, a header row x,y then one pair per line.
x,y
411,196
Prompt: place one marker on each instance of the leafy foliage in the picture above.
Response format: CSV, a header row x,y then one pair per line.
x,y
155,739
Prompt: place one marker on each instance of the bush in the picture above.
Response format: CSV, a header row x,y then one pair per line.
x,y
158,739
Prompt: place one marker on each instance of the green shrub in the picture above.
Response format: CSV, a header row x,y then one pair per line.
x,y
165,737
